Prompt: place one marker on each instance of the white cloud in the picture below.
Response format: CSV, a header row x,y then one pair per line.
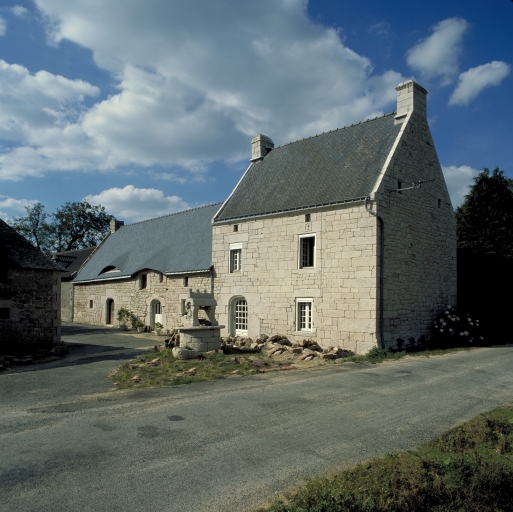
x,y
15,204
473,81
458,181
19,11
135,204
196,83
3,27
437,55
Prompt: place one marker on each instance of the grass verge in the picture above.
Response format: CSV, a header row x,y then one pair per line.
x,y
469,468
158,369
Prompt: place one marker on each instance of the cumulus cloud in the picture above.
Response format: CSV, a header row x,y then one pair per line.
x,y
473,81
135,204
3,27
196,83
15,206
437,55
19,11
458,181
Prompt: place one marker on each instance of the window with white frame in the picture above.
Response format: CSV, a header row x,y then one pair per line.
x,y
304,314
306,251
240,311
235,257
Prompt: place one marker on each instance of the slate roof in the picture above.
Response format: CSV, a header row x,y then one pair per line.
x,y
176,243
16,249
329,168
72,261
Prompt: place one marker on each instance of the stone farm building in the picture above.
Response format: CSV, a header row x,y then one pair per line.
x,y
347,237
30,304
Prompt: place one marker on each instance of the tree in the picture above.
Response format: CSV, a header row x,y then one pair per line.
x,y
485,219
78,225
34,226
73,226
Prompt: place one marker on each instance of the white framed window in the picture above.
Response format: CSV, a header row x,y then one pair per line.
x,y
304,314
306,251
236,257
240,319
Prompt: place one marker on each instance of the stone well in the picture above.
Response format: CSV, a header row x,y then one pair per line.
x,y
201,335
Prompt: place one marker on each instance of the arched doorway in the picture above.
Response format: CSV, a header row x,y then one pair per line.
x,y
239,316
109,312
155,312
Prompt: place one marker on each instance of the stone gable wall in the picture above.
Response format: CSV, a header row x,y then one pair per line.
x,y
342,285
32,298
420,236
169,292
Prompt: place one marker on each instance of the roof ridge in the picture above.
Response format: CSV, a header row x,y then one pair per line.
x,y
335,130
174,213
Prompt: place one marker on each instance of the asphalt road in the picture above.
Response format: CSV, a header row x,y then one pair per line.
x,y
69,443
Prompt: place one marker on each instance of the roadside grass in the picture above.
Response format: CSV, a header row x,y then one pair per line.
x,y
469,468
159,369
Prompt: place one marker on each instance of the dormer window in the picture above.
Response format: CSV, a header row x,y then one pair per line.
x,y
111,269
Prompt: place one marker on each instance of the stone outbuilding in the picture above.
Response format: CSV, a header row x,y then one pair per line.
x,y
347,237
71,261
30,307
147,267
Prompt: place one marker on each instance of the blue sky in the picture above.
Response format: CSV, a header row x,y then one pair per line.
x,y
149,107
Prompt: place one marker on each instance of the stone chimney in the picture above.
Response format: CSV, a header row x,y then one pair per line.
x,y
410,96
260,146
115,225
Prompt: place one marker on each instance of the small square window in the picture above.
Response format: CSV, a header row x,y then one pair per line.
x,y
235,227
91,304
308,217
306,251
186,281
143,281
304,315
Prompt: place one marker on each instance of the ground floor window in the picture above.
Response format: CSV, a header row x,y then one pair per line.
x,y
241,317
110,312
304,314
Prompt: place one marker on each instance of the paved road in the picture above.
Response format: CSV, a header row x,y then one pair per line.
x,y
69,443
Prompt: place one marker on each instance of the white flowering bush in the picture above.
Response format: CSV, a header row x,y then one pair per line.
x,y
454,328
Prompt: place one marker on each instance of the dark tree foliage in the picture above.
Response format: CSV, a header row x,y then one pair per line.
x,y
485,219
33,226
79,225
73,226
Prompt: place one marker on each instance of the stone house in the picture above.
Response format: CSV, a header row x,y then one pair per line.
x,y
147,267
347,237
30,309
71,261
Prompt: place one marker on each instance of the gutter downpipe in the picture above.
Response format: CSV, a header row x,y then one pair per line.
x,y
381,272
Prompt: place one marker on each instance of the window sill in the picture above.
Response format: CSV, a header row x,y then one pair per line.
x,y
313,332
308,270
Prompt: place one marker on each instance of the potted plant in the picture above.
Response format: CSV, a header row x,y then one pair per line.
x,y
124,317
139,324
157,327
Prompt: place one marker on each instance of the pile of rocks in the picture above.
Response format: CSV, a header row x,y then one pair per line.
x,y
278,344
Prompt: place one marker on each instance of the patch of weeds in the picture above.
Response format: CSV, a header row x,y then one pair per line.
x,y
469,468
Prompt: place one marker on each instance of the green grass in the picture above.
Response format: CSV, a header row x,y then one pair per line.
x,y
469,468
173,372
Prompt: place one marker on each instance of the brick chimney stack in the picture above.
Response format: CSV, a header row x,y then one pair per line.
x,y
260,146
410,96
115,225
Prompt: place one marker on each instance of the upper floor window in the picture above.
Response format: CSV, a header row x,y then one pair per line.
x,y
186,281
235,257
306,251
143,283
